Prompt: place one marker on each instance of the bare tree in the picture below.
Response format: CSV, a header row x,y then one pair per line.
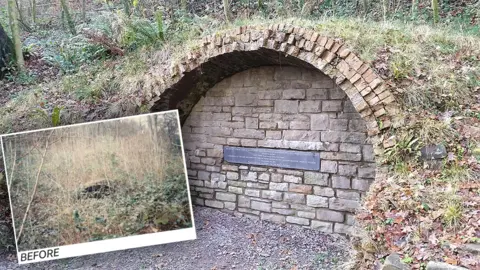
x,y
226,8
435,9
153,125
126,7
365,4
20,231
23,23
68,17
13,16
84,10
34,11
384,7
414,8
308,7
183,5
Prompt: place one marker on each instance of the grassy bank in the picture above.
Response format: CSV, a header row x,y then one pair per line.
x,y
434,71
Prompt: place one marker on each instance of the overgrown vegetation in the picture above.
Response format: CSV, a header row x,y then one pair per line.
x,y
144,175
433,69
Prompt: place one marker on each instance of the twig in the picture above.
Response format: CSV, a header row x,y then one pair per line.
x,y
100,38
34,189
9,183
34,147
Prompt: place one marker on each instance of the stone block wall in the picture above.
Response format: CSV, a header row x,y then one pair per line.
x,y
284,108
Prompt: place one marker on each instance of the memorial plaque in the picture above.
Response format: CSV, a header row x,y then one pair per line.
x,y
290,159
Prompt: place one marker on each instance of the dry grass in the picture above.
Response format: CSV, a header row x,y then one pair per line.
x,y
146,174
428,67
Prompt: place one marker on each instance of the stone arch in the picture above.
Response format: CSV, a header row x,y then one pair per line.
x,y
222,55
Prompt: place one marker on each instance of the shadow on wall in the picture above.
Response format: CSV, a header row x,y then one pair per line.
x,y
289,108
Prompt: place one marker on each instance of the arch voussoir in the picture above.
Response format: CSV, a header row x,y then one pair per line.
x,y
367,91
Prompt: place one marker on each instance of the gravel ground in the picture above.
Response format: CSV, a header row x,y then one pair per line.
x,y
223,242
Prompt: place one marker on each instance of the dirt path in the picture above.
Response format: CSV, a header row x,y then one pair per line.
x,y
223,242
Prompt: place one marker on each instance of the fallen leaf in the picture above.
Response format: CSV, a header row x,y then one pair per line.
x,y
451,261
433,239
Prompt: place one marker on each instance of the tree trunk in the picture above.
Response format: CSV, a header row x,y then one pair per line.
x,y
6,51
126,7
307,7
226,8
63,19
260,4
68,17
84,10
384,7
365,4
12,11
159,20
436,16
22,22
183,5
414,8
34,12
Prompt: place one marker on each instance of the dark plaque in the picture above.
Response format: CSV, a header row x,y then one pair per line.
x,y
273,157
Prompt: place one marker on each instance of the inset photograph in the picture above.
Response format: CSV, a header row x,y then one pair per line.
x,y
104,183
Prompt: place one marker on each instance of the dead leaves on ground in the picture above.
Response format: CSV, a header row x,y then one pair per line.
x,y
253,237
407,214
420,232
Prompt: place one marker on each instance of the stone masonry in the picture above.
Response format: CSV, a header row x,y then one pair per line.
x,y
285,108
181,83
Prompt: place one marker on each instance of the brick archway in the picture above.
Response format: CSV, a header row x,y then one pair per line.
x,y
222,55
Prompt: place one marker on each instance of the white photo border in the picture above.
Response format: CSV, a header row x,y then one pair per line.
x,y
109,245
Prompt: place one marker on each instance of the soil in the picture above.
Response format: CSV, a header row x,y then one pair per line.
x,y
223,241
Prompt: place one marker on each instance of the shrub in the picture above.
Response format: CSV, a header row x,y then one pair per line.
x,y
74,53
405,149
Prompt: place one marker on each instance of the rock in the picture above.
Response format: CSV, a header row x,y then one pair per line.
x,y
393,262
433,152
472,248
6,51
389,142
443,266
433,164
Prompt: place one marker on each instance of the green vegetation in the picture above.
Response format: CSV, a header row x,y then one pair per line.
x,y
144,174
427,51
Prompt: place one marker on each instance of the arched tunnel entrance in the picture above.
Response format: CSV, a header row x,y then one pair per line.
x,y
277,125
